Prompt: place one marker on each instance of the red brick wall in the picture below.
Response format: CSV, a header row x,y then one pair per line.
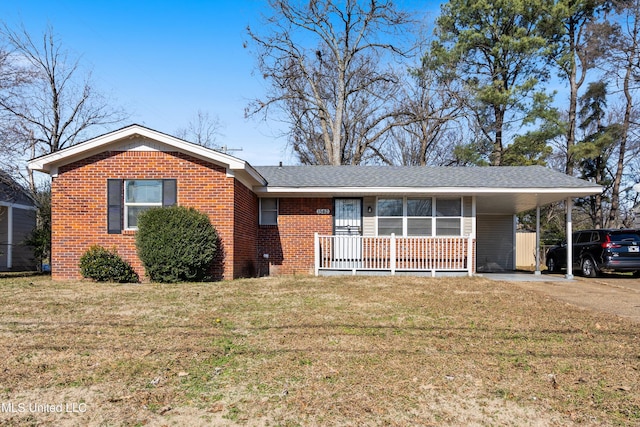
x,y
246,231
290,243
79,207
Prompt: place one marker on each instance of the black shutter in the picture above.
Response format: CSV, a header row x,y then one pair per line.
x,y
169,192
114,200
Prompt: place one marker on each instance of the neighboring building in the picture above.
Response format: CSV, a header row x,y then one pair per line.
x,y
17,221
294,219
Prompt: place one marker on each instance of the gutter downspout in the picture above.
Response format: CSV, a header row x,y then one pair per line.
x,y
537,272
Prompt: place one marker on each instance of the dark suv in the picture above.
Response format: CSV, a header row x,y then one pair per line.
x,y
599,250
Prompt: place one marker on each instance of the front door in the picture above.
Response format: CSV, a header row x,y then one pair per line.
x,y
347,225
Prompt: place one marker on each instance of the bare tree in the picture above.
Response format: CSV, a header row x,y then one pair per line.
x,y
13,75
431,106
329,64
622,63
576,53
57,105
203,129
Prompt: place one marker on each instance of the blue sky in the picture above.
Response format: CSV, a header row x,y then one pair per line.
x,y
164,61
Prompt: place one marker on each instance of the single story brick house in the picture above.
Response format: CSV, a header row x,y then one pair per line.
x,y
294,219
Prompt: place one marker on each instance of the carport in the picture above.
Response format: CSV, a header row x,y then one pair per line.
x,y
496,211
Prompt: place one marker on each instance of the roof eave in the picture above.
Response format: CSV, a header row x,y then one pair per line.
x,y
370,191
51,162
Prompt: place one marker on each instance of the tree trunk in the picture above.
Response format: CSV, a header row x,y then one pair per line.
x,y
614,221
496,154
573,106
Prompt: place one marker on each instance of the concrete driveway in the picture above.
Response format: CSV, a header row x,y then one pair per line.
x,y
614,294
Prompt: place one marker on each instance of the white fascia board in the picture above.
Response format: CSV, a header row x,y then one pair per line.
x,y
50,163
18,206
467,191
78,151
98,144
253,174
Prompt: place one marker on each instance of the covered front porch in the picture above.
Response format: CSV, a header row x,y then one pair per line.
x,y
476,252
413,219
391,254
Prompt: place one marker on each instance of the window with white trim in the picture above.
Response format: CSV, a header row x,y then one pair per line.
x,y
127,198
140,195
268,211
419,221
419,216
448,217
390,217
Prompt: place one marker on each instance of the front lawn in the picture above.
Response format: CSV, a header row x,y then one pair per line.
x,y
310,351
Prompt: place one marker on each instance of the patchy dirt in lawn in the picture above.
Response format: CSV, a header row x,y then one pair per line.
x,y
616,294
351,351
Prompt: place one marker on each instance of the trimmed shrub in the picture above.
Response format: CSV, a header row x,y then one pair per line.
x,y
176,244
103,265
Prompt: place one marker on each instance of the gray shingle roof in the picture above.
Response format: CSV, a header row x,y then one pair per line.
x,y
419,176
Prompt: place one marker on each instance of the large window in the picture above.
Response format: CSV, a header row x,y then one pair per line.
x,y
419,216
419,221
389,216
139,196
128,198
448,217
268,211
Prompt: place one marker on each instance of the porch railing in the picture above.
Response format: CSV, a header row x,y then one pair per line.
x,y
391,253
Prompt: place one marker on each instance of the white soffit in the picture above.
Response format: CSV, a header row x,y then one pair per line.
x,y
489,200
466,191
139,138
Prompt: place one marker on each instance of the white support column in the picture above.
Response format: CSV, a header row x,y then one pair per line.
x,y
9,237
316,250
474,235
470,256
392,249
514,237
537,272
569,274
474,217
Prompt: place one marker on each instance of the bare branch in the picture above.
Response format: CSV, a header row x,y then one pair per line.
x,y
329,68
53,102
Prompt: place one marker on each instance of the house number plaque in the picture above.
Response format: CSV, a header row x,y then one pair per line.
x,y
323,211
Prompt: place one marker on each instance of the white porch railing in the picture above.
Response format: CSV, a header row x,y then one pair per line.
x,y
391,253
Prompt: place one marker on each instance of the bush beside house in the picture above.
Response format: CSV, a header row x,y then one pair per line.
x,y
103,265
176,244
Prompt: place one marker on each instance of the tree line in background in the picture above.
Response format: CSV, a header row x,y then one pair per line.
x,y
47,103
501,83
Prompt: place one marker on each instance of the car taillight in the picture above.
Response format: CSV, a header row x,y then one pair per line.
x,y
608,244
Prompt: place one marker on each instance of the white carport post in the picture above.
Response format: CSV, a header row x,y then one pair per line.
x,y
569,274
537,272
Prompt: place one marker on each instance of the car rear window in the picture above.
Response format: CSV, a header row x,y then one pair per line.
x,y
625,237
